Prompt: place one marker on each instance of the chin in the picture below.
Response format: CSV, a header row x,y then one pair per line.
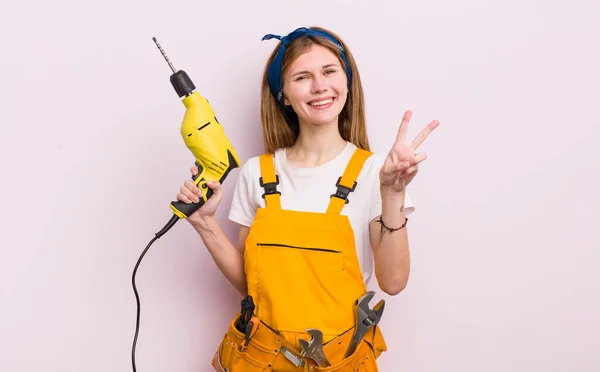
x,y
321,120
326,121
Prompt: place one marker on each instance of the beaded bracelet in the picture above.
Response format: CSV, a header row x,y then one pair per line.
x,y
380,220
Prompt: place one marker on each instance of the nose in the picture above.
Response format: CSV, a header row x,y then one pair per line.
x,y
319,84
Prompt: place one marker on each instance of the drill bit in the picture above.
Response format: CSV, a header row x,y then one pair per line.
x,y
164,55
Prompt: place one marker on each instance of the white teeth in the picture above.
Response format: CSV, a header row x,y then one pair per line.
x,y
321,103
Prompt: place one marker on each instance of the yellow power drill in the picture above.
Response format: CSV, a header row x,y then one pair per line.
x,y
215,157
204,137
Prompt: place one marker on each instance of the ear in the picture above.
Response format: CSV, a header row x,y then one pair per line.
x,y
286,101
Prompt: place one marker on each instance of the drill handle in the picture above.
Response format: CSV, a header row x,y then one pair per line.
x,y
184,210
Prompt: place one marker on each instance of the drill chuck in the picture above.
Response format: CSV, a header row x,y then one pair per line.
x,y
182,83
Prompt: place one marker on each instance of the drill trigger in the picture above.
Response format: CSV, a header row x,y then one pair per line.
x,y
200,169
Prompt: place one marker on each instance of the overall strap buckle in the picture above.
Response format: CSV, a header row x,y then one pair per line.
x,y
353,168
343,191
268,174
270,187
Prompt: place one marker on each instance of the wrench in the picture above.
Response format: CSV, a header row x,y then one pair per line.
x,y
365,319
314,347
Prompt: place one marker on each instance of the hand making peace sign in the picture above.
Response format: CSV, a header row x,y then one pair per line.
x,y
401,164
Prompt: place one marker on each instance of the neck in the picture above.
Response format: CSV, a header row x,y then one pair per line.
x,y
316,145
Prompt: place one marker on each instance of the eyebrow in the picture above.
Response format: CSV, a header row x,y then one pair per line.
x,y
323,67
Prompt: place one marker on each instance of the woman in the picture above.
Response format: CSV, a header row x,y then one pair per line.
x,y
318,213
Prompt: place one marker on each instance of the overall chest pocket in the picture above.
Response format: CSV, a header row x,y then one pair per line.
x,y
296,259
279,245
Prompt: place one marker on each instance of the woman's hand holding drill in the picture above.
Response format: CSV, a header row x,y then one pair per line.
x,y
190,193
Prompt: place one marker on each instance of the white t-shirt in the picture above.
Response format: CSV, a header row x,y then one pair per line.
x,y
309,190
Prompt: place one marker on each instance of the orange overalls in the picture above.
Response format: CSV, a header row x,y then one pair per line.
x,y
302,272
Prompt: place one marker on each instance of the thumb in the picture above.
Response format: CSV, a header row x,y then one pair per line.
x,y
401,167
215,186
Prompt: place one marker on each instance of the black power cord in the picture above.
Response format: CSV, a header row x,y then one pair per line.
x,y
167,227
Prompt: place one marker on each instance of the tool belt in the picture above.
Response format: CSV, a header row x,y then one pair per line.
x,y
267,351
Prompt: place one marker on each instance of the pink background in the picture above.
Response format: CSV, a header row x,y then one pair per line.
x,y
504,239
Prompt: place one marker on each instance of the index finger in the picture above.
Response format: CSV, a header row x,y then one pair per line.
x,y
401,136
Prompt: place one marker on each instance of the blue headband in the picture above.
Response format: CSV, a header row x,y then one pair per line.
x,y
274,70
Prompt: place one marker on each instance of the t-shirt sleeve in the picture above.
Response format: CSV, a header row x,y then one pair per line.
x,y
243,207
375,209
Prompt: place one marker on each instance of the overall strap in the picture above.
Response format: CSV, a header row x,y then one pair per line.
x,y
347,182
269,181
